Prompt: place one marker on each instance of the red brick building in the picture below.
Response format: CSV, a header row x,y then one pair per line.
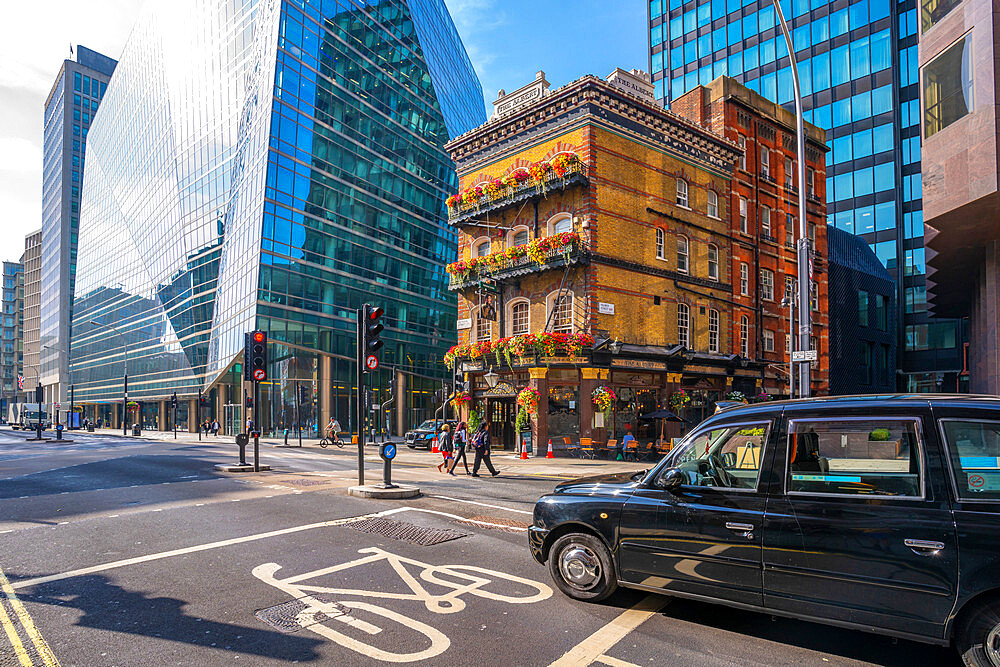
x,y
764,221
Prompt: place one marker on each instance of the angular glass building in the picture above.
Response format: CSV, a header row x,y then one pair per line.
x,y
270,164
858,70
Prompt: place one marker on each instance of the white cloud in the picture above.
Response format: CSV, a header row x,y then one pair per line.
x,y
19,154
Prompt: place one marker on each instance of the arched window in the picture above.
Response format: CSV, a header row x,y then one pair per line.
x,y
745,336
520,322
713,331
713,261
682,254
518,236
682,193
481,249
560,311
661,242
683,325
559,223
713,204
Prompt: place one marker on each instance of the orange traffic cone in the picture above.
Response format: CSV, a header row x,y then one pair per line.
x,y
524,450
434,446
550,455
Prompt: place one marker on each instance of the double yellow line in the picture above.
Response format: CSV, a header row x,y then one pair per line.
x,y
9,598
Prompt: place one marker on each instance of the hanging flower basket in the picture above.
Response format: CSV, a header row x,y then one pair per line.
x,y
462,399
535,174
131,405
604,398
736,396
548,344
679,399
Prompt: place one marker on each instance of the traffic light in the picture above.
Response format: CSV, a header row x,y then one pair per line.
x,y
173,400
372,333
255,356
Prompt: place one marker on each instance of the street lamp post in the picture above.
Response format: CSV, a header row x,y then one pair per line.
x,y
805,282
125,374
69,367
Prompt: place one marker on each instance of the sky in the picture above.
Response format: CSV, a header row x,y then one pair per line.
x,y
507,41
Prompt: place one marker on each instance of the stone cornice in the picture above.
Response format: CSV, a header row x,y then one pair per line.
x,y
599,99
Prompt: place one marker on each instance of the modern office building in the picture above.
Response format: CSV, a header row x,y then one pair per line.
x,y
273,166
962,168
863,324
31,329
859,77
69,111
10,332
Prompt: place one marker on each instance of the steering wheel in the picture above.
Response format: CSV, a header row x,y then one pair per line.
x,y
712,466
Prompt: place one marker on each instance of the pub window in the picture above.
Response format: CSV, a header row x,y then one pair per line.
x,y
713,204
560,223
682,193
561,312
713,331
745,336
519,322
482,248
683,325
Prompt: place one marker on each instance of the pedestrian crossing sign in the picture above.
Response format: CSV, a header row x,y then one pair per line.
x,y
20,381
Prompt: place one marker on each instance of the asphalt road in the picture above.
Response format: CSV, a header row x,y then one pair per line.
x,y
125,552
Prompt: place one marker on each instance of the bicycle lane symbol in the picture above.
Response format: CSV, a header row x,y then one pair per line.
x,y
460,579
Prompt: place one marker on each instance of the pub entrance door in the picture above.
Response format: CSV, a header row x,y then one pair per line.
x,y
501,413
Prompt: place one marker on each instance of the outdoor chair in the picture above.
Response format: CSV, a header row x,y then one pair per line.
x,y
586,450
631,450
571,449
651,452
610,449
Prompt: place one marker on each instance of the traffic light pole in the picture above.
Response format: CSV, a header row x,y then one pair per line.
x,y
361,396
256,427
197,416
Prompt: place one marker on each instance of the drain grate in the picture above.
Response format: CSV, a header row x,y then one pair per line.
x,y
283,616
408,532
496,523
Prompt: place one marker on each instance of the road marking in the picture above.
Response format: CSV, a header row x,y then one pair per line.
x,y
199,547
614,662
597,644
473,502
29,627
15,641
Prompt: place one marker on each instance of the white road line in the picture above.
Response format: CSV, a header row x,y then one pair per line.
x,y
614,662
473,502
200,547
596,645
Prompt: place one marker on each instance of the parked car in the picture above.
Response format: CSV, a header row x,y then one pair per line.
x,y
879,513
422,436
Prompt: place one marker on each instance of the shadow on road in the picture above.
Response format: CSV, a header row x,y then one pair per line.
x,y
106,606
849,644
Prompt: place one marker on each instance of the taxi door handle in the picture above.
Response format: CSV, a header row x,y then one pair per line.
x,y
924,547
742,527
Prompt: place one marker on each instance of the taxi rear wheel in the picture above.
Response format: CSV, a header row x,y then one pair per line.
x,y
978,639
582,568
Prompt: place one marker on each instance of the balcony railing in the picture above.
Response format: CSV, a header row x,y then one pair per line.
x,y
507,195
502,266
766,176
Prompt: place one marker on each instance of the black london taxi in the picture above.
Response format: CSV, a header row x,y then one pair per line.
x,y
879,513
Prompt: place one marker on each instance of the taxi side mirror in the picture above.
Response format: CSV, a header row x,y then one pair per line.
x,y
670,481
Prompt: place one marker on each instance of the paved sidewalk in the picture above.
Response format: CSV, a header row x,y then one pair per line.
x,y
562,466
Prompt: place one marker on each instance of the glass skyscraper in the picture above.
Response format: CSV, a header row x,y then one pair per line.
x,y
858,70
271,164
70,109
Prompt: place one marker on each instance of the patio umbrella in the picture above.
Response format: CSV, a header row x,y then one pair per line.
x,y
663,416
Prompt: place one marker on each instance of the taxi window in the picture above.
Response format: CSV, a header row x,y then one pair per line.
x,y
974,448
864,457
727,457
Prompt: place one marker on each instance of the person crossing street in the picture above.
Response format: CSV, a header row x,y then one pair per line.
x,y
481,441
460,441
445,446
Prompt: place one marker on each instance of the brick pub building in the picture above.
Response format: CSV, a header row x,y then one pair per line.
x,y
596,250
765,223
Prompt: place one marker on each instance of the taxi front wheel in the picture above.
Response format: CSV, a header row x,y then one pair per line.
x,y
978,638
582,568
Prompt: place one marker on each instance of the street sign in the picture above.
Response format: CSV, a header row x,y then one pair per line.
x,y
371,362
20,382
805,355
259,374
388,451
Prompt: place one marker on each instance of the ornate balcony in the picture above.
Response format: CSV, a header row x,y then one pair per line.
x,y
539,255
515,189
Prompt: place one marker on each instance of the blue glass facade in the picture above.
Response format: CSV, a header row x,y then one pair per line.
x,y
279,179
858,71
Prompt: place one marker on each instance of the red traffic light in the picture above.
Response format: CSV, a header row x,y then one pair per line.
x,y
375,313
258,336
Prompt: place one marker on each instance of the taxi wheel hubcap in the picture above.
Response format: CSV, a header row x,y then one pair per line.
x,y
580,566
992,645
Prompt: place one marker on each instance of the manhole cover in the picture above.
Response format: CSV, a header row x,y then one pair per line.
x,y
496,523
408,532
283,616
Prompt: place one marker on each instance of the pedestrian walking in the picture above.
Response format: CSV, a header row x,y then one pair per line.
x,y
460,441
481,441
445,446
215,427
